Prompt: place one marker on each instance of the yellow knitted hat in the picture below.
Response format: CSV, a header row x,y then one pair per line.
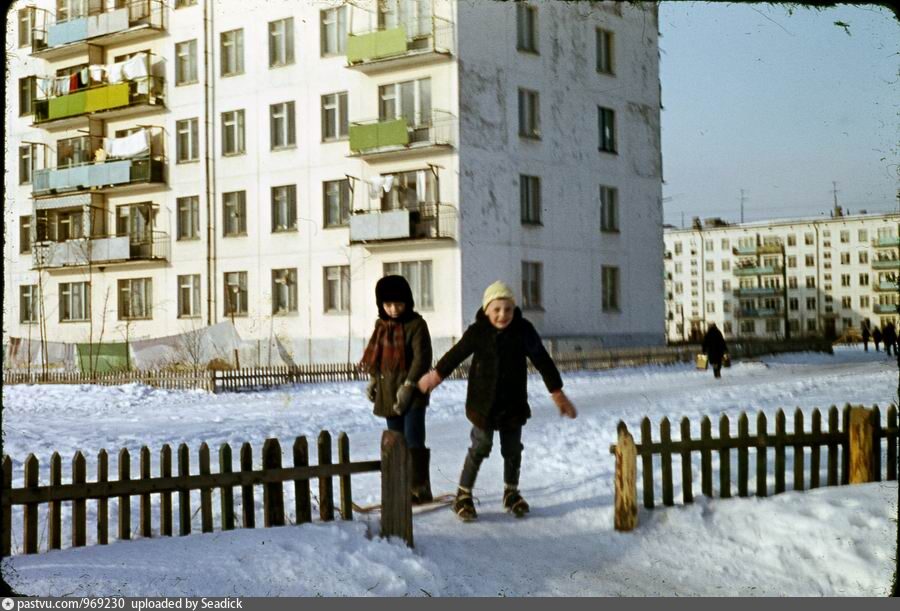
x,y
497,290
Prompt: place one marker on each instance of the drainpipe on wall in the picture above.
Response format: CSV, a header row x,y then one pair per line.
x,y
209,166
819,321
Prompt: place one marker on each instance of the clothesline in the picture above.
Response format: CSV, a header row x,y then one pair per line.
x,y
131,69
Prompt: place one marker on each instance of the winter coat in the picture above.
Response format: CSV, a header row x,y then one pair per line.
x,y
497,395
876,335
889,334
418,362
865,334
714,345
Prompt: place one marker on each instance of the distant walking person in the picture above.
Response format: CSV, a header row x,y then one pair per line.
x,y
866,335
889,335
876,337
714,348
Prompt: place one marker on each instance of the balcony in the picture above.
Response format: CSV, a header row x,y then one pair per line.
x,y
888,241
124,164
754,270
400,47
885,308
398,138
61,106
885,263
54,39
426,222
761,291
886,285
152,246
760,312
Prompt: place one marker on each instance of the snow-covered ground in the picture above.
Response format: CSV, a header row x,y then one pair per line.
x,y
826,542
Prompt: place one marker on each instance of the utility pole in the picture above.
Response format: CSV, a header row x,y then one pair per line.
x,y
837,209
743,199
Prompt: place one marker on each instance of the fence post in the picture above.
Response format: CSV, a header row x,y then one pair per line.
x,y
79,507
326,496
396,504
861,430
625,517
6,510
273,492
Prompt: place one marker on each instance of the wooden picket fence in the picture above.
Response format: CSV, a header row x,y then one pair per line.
x,y
396,516
836,441
252,378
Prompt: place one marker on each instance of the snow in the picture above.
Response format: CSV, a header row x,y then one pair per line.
x,y
825,542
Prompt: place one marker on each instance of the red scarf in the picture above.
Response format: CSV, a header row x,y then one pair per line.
x,y
387,348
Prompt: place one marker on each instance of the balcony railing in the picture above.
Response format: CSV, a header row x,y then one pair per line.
x,y
768,270
886,285
760,291
887,241
58,37
384,137
398,46
885,263
885,308
426,221
102,250
760,312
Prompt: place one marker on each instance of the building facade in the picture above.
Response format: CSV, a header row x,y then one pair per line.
x,y
803,277
177,165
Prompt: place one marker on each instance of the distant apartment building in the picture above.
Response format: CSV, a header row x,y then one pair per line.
x,y
173,165
785,278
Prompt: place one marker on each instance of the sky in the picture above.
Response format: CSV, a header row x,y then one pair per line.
x,y
781,105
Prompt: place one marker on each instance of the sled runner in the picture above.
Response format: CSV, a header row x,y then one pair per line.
x,y
440,500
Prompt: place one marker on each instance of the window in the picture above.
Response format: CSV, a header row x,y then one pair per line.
x,y
24,234
529,114
281,125
135,299
845,279
336,199
186,62
679,267
748,327
792,261
826,233
845,237
710,286
710,266
526,27
609,209
864,301
233,132
709,245
419,276
284,291
726,265
184,3
188,219
281,42
532,277
187,141
337,288
808,239
791,240
189,296
863,256
530,199
793,304
231,47
234,213
27,93
334,116
26,19
810,282
792,282
605,57
74,301
333,30
726,285
811,325
410,100
610,288
679,288
677,248
864,280
846,302
28,303
607,128
284,208
810,260
845,258
773,326
810,303
726,307
726,244
26,163
863,235
235,301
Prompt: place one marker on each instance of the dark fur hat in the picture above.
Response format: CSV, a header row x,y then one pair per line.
x,y
393,288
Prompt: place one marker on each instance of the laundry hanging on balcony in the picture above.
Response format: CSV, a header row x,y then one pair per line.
x,y
135,145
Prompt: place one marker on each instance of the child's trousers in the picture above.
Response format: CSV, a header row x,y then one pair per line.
x,y
412,425
510,448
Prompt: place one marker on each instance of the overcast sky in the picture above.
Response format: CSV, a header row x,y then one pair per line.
x,y
779,105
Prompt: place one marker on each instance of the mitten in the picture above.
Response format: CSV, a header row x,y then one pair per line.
x,y
562,402
371,387
404,398
429,381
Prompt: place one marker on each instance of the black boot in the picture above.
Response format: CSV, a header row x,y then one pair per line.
x,y
514,503
420,482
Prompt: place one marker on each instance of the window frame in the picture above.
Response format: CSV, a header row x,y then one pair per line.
x,y
530,205
28,314
231,47
290,208
605,51
241,307
287,133
529,114
610,295
291,283
191,76
26,163
66,297
234,214
343,211
125,288
191,284
609,209
419,275
281,42
527,34
28,14
27,94
532,286
233,123
187,136
26,235
335,116
606,126
337,17
343,286
191,230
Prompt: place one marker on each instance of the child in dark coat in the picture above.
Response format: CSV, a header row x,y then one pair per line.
x,y
500,339
397,355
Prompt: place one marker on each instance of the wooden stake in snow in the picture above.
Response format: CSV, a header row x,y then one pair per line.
x,y
861,430
626,481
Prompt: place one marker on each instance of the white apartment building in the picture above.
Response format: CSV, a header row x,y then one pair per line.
x,y
173,165
786,278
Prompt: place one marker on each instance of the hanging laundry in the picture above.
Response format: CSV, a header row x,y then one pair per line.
x,y
114,72
84,77
136,67
74,84
388,183
44,87
420,186
135,145
375,185
97,73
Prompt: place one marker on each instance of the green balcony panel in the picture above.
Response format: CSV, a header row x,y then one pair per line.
x,y
885,308
109,96
376,135
376,45
886,264
887,241
67,105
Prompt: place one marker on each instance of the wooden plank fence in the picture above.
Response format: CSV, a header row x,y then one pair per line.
x,y
396,515
251,378
835,442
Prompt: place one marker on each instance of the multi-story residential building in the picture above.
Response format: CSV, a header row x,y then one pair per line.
x,y
784,278
179,164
